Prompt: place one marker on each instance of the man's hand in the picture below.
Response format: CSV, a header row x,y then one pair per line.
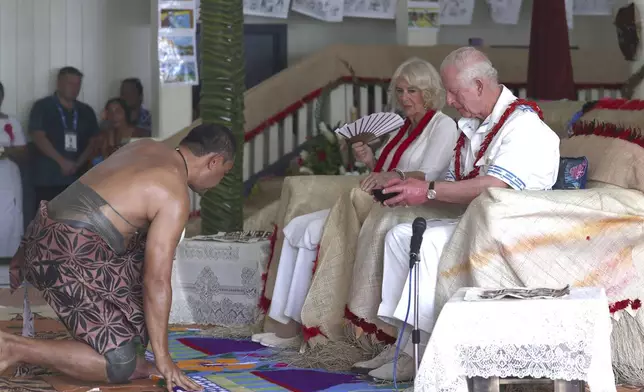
x,y
174,376
411,192
67,167
377,181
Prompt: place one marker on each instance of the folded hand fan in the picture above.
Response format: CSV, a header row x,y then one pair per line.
x,y
370,127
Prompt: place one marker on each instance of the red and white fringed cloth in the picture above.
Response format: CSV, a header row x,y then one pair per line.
x,y
633,135
631,306
619,104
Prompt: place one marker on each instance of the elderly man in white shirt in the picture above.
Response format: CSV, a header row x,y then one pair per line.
x,y
12,149
505,144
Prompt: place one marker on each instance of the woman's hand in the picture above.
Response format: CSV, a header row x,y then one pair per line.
x,y
377,181
363,153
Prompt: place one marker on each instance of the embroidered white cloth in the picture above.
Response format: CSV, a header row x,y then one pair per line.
x,y
219,281
561,339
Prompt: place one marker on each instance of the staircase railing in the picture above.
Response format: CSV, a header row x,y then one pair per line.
x,y
344,81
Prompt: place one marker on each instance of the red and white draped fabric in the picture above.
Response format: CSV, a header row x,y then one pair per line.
x,y
549,66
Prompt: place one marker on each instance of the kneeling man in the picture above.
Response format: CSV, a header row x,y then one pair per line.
x,y
101,254
503,143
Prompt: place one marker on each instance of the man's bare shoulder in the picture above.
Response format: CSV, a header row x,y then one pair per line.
x,y
145,169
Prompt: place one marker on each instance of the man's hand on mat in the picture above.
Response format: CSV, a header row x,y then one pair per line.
x,y
174,376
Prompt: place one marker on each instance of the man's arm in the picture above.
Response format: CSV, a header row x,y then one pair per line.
x,y
463,192
94,131
163,237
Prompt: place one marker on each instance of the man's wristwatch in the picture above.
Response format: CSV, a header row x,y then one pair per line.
x,y
431,193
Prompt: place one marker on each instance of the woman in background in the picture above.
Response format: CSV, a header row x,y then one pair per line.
x,y
13,148
120,129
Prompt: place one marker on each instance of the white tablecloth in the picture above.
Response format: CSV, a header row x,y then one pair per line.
x,y
565,339
218,283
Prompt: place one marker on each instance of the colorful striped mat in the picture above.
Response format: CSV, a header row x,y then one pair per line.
x,y
243,366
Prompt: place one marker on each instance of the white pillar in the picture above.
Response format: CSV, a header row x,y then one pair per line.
x,y
410,37
172,110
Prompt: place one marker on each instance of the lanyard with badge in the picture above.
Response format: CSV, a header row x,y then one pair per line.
x,y
71,135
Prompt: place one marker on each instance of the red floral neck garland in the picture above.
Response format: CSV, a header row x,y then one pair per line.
x,y
8,128
488,139
405,144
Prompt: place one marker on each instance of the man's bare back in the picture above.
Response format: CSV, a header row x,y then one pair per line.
x,y
101,253
135,182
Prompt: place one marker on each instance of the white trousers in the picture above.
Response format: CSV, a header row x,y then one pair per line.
x,y
396,281
295,270
11,226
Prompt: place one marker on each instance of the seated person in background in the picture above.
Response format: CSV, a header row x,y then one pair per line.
x,y
503,144
421,149
101,254
132,94
12,150
63,130
120,129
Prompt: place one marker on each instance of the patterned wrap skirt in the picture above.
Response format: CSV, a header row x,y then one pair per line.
x,y
96,293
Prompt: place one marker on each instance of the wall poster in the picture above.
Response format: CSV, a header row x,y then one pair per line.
x,y
177,44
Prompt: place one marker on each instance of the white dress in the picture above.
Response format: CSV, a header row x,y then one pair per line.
x,y
430,153
11,217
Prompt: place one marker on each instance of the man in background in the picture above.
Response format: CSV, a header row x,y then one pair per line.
x,y
62,129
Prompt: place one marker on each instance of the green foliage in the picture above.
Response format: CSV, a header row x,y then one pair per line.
x,y
325,154
222,102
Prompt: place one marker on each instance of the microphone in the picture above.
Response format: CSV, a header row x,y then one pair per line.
x,y
418,228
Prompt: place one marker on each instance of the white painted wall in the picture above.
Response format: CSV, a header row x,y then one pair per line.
x,y
106,39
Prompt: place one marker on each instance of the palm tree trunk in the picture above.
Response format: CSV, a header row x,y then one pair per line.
x,y
222,102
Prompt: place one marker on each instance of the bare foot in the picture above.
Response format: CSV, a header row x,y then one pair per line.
x,y
144,369
7,354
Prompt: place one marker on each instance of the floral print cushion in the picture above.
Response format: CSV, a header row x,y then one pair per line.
x,y
573,173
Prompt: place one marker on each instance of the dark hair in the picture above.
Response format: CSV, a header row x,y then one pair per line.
x,y
69,71
1,90
126,109
211,138
136,82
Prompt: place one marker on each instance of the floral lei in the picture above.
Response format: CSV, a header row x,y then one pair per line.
x,y
488,139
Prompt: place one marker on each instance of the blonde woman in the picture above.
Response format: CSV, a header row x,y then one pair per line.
x,y
421,149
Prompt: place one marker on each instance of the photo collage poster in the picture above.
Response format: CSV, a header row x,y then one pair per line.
x,y
177,44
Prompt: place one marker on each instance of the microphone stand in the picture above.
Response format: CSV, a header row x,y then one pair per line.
x,y
414,263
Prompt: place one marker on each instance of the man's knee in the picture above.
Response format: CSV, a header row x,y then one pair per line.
x,y
400,233
121,363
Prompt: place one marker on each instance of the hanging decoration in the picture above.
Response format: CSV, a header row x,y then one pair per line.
x,y
456,12
373,9
267,8
505,11
423,15
326,10
176,40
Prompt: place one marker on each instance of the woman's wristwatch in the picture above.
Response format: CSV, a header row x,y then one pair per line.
x,y
431,192
400,173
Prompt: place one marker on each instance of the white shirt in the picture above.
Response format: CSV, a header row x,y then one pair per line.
x,y
9,172
524,153
431,152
